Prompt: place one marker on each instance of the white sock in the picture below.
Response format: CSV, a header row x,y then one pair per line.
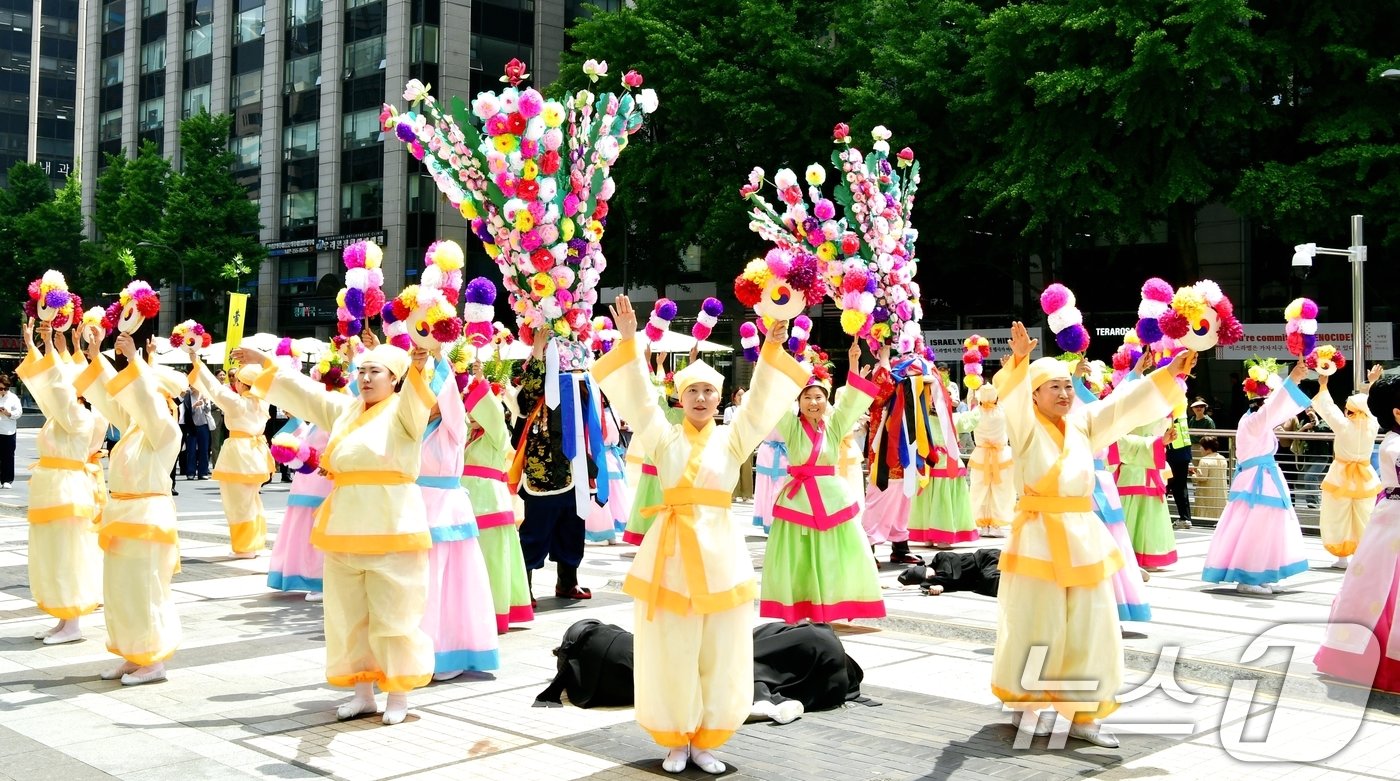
x,y
361,703
66,632
245,555
148,674
676,759
43,633
120,670
446,675
788,711
396,709
314,596
706,761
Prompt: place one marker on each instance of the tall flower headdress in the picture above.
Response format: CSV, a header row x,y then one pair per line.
x,y
1199,317
868,252
533,177
1262,375
51,302
425,314
1064,318
1326,360
190,332
976,349
137,302
782,284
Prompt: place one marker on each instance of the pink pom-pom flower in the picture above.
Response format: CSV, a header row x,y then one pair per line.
x,y
660,321
748,339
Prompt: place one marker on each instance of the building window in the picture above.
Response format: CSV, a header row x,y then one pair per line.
x,y
303,12
113,17
152,115
296,275
304,73
247,89
196,101
363,58
422,195
358,3
150,8
112,71
299,141
249,26
198,42
361,129
423,45
246,151
362,200
298,209
153,57
110,125
199,13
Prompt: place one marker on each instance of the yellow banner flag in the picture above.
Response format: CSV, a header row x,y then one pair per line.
x,y
237,304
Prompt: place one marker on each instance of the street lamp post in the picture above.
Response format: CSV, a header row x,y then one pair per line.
x,y
179,293
1303,255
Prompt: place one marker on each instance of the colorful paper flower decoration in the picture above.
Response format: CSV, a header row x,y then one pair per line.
x,y
1156,300
815,359
1064,318
1301,328
749,341
138,302
1197,317
50,301
95,316
604,334
533,178
976,349
331,369
867,252
659,323
190,332
478,309
705,321
782,284
425,314
1262,375
363,294
295,452
1326,360
799,335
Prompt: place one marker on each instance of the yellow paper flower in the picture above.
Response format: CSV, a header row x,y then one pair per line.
x,y
561,327
826,251
505,143
468,209
492,251
1189,304
542,285
566,229
553,113
880,331
530,170
852,320
524,220
374,255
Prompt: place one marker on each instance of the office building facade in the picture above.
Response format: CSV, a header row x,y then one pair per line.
x,y
41,54
305,81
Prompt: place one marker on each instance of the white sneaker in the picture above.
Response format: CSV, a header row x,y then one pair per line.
x,y
1254,591
6,485
1341,562
1094,733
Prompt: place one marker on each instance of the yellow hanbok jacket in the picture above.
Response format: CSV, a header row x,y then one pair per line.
x,y
1059,539
244,457
694,558
61,486
138,474
372,457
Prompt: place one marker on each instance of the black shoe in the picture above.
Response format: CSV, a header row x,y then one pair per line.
x,y
173,492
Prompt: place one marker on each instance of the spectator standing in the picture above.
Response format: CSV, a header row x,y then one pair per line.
x,y
1211,475
10,412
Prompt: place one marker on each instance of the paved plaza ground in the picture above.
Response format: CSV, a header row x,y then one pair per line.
x,y
246,696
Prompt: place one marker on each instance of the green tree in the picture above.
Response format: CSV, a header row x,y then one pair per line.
x,y
209,221
40,229
1330,147
741,84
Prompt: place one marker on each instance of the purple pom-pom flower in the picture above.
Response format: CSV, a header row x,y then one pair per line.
x,y
666,309
355,302
1149,330
388,313
713,307
405,132
56,299
1074,339
481,291
353,327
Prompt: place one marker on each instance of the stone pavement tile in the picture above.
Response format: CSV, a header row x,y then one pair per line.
x,y
365,749
513,710
136,750
541,761
193,770
50,763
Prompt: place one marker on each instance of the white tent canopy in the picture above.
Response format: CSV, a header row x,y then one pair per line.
x,y
673,342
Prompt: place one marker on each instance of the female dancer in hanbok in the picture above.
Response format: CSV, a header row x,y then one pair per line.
x,y
488,448
940,514
1350,487
990,483
815,565
296,564
373,526
137,532
1258,541
245,462
65,562
606,521
1055,601
1141,456
770,470
693,579
459,616
1127,582
1367,598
